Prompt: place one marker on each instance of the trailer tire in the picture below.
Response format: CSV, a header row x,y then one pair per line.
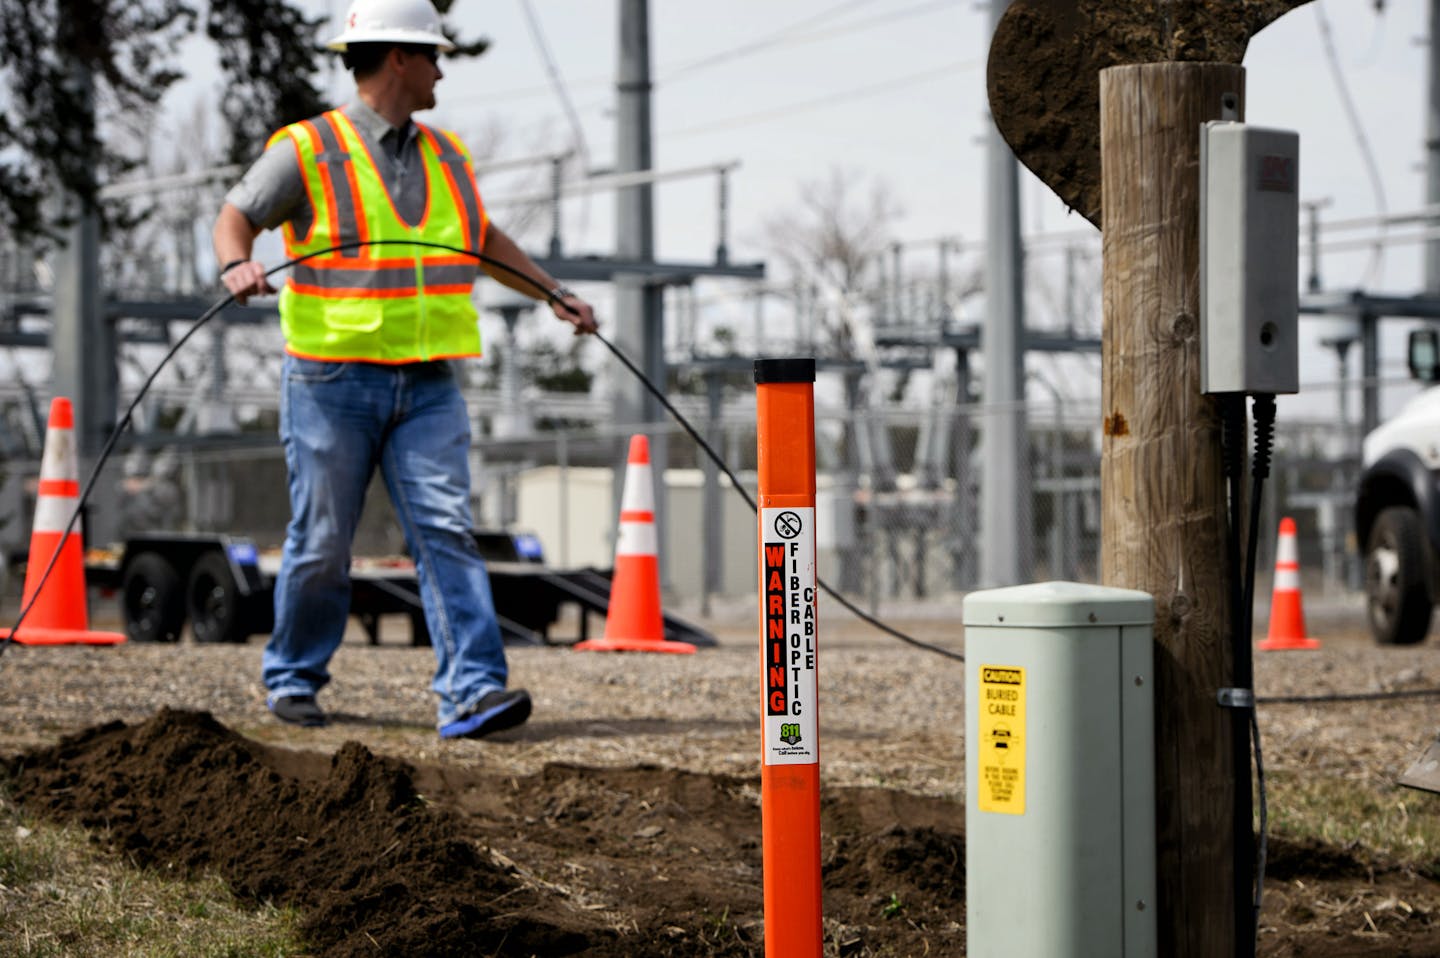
x,y
214,602
152,599
1397,601
419,630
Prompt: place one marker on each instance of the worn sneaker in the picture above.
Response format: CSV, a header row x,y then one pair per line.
x,y
498,710
298,710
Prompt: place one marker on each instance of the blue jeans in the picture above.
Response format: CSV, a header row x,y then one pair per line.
x,y
338,421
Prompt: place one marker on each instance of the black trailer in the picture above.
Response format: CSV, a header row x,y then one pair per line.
x,y
223,587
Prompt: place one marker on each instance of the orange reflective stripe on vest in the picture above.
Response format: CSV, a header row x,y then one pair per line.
x,y
462,186
342,197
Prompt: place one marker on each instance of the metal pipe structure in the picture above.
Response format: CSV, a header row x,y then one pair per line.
x,y
1432,151
1004,493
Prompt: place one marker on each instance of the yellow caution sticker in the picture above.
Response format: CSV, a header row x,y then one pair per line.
x,y
1000,752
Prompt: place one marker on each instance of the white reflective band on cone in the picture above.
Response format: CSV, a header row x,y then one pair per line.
x,y
52,514
59,460
1287,580
58,471
639,493
1287,551
636,539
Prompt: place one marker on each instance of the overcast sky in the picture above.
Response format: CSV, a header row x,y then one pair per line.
x,y
893,91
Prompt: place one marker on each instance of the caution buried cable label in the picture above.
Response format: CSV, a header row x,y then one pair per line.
x,y
787,640
1001,749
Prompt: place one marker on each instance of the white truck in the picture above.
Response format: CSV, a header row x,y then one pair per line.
x,y
1397,507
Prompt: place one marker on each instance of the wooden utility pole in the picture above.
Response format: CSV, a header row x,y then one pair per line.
x,y
1162,489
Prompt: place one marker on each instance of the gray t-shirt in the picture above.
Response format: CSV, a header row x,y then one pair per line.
x,y
272,191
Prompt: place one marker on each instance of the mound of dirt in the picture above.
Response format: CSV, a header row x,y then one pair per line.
x,y
351,845
383,858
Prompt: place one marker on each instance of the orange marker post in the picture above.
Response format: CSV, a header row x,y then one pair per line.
x,y
790,757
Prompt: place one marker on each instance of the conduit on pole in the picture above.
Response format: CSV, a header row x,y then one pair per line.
x,y
790,757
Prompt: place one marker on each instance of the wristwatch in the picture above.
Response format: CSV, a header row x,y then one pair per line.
x,y
559,292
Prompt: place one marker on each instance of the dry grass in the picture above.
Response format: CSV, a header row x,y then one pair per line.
x,y
62,896
1387,820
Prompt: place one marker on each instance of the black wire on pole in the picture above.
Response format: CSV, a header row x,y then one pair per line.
x,y
1263,407
489,261
1243,863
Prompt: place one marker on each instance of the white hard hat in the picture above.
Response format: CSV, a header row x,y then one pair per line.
x,y
392,21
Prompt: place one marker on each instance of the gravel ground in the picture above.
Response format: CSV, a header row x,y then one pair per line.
x,y
891,714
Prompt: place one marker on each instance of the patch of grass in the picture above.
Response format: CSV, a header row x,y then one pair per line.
x,y
1398,823
718,926
892,906
62,897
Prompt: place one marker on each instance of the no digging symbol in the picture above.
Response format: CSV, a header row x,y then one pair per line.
x,y
788,525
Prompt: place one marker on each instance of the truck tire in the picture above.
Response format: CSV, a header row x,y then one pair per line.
x,y
215,605
1397,600
152,599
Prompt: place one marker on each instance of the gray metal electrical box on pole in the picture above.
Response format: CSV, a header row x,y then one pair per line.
x,y
1059,772
1249,259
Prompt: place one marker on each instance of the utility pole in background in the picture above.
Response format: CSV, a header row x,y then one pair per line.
x,y
639,280
1432,152
1005,511
83,349
639,299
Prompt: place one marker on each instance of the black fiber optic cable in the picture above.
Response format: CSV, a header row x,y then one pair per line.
x,y
654,390
1232,449
1263,407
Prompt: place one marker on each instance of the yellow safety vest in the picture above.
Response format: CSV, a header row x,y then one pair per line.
x,y
384,304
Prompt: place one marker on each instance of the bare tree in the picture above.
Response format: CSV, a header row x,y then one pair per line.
x,y
78,70
64,62
159,251
828,243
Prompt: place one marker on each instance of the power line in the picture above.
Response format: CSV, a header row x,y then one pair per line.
x,y
1372,170
835,99
770,39
782,39
537,33
787,36
779,39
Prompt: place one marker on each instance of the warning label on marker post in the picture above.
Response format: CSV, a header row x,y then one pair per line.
x,y
788,639
1001,749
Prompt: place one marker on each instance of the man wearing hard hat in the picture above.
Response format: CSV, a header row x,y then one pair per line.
x,y
369,334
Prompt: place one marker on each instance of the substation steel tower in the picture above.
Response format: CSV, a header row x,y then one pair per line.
x,y
1005,509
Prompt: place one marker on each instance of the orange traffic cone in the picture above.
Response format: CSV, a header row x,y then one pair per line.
x,y
1287,618
633,622
59,615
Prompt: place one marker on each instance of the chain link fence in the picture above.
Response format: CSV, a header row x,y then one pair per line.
x,y
898,501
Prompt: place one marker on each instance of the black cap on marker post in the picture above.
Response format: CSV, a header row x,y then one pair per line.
x,y
800,370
